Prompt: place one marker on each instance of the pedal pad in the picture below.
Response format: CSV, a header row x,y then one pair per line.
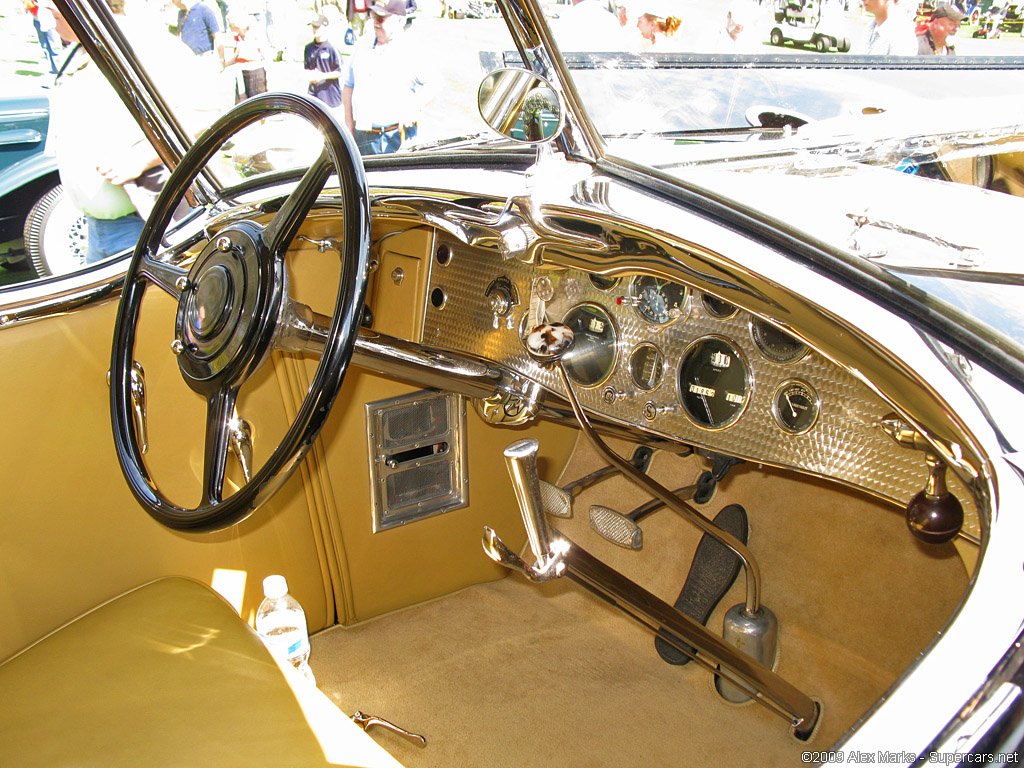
x,y
616,527
554,500
714,569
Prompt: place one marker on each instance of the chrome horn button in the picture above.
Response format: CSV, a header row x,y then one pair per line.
x,y
228,308
211,305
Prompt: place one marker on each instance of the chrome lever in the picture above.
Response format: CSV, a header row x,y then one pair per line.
x,y
549,551
552,568
138,392
366,722
240,443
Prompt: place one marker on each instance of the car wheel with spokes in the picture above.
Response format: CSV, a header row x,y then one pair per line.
x,y
55,234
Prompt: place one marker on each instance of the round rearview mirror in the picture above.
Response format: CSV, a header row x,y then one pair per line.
x,y
520,105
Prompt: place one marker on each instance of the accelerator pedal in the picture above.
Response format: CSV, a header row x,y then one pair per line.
x,y
616,527
712,572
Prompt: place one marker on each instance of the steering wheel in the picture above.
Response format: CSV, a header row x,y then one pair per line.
x,y
234,310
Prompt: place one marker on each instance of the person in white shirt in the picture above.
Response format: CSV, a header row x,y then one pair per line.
x,y
890,32
384,86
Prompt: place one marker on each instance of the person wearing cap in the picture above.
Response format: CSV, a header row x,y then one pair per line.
x,y
323,62
890,32
944,23
384,85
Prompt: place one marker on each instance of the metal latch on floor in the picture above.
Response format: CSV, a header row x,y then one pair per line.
x,y
366,722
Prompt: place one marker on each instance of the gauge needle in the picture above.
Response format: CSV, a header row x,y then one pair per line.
x,y
703,398
791,407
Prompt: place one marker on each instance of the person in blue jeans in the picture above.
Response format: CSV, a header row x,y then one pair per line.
x,y
49,40
107,166
385,84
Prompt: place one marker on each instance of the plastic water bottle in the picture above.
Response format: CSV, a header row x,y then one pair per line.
x,y
281,623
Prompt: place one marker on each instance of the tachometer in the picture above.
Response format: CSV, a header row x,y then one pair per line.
x,y
658,301
592,357
714,382
603,283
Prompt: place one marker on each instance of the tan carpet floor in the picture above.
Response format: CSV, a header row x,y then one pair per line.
x,y
514,674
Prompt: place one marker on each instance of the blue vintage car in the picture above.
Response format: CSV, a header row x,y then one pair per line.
x,y
41,232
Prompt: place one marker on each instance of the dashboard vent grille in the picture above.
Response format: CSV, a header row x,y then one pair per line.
x,y
417,457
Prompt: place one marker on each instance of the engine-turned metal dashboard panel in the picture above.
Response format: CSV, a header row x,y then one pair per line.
x,y
679,363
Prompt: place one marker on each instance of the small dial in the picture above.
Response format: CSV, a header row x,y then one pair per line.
x,y
714,382
775,344
647,366
658,301
603,283
592,357
717,307
796,406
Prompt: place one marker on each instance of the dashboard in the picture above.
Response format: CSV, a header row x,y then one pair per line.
x,y
676,361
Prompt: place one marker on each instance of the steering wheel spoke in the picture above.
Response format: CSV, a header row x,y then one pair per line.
x,y
220,415
169,278
283,227
234,310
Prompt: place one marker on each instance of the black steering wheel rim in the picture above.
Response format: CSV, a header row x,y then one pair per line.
x,y
340,153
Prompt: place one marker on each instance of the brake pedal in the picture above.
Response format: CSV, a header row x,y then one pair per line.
x,y
616,527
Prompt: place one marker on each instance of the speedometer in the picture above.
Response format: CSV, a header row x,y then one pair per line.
x,y
658,301
714,382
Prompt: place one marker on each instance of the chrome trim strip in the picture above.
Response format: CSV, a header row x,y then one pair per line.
x,y
38,305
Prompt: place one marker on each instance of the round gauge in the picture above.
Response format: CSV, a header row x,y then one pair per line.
x,y
658,301
603,283
717,307
592,357
795,406
714,382
775,344
646,366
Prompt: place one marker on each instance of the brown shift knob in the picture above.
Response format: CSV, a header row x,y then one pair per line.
x,y
934,515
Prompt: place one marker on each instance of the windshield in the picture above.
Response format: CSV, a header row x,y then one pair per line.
x,y
768,104
892,131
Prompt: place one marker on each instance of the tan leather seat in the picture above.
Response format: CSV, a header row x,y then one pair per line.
x,y
166,674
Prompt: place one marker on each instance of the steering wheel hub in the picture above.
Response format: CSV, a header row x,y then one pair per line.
x,y
226,312
212,302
